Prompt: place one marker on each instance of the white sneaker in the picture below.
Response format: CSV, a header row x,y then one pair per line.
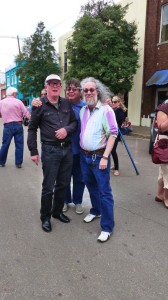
x,y
79,209
89,218
104,236
65,208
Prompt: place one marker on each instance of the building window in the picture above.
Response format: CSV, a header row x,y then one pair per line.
x,y
12,81
8,81
65,62
164,24
15,78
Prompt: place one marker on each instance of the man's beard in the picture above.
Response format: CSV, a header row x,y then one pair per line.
x,y
91,103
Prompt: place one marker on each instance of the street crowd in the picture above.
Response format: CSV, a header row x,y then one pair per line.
x,y
79,135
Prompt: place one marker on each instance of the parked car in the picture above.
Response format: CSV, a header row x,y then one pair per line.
x,y
153,131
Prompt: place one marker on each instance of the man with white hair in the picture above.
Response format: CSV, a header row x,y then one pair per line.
x,y
98,133
12,111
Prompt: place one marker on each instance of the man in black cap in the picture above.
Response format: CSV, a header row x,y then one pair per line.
x,y
56,120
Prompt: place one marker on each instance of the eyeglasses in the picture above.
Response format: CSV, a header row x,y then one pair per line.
x,y
114,101
54,84
44,94
72,89
91,90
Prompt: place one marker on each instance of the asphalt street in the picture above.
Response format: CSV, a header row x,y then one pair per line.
x,y
69,263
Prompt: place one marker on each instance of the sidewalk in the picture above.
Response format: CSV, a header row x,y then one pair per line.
x,y
141,131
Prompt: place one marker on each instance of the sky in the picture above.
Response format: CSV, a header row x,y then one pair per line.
x,y
20,18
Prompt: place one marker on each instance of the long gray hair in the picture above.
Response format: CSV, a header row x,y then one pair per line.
x,y
104,92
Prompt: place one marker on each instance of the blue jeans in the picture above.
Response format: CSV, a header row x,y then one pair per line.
x,y
57,166
98,184
78,183
10,130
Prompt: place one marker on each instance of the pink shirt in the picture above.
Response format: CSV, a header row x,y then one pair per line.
x,y
12,110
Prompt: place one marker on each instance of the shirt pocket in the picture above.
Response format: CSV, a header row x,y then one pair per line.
x,y
66,111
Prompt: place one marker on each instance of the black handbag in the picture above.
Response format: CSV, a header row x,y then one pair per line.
x,y
160,151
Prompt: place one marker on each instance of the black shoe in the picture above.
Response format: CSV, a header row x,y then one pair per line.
x,y
18,166
2,166
46,225
61,217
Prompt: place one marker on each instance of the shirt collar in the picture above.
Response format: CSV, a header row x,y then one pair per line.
x,y
47,101
79,104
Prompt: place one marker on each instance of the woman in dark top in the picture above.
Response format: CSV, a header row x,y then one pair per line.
x,y
162,122
120,117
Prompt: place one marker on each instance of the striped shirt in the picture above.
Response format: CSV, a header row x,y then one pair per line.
x,y
96,127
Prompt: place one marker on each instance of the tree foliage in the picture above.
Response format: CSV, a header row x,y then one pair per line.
x,y
104,45
37,60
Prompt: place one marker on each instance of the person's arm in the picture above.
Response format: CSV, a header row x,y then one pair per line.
x,y
162,121
111,128
32,131
109,147
24,111
69,129
72,126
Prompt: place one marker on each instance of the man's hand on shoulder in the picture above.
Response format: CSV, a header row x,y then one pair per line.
x,y
108,102
36,102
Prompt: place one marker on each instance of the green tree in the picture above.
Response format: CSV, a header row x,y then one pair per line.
x,y
104,45
36,61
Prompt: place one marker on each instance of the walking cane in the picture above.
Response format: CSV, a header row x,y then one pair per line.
x,y
123,140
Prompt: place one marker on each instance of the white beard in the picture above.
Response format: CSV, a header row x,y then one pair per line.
x,y
91,103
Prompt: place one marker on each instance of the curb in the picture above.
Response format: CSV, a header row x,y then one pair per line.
x,y
140,135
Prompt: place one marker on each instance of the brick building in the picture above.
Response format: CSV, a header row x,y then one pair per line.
x,y
155,71
150,86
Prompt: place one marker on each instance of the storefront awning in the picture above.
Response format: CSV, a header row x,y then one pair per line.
x,y
158,78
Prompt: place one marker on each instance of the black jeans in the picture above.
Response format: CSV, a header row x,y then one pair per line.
x,y
114,153
57,166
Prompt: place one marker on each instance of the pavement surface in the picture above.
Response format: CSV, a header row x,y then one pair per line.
x,y
69,263
141,131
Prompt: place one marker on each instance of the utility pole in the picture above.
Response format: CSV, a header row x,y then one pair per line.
x,y
18,44
14,37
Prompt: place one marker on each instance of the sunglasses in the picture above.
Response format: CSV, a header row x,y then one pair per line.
x,y
91,90
44,94
114,101
72,89
54,84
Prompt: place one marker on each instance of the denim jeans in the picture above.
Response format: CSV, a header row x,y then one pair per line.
x,y
78,184
10,130
57,166
98,184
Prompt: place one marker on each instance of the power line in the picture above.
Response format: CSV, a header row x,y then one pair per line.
x,y
11,37
63,21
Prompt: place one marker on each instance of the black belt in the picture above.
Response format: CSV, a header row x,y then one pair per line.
x,y
56,144
98,151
